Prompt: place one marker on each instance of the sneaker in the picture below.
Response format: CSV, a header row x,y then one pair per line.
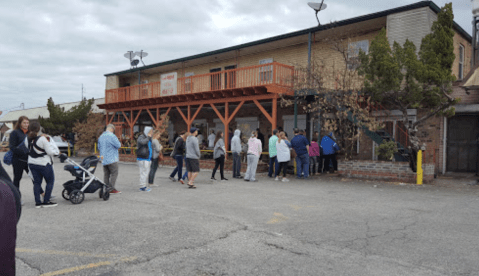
x,y
49,204
115,191
212,178
277,178
38,205
285,179
224,179
145,189
246,180
172,179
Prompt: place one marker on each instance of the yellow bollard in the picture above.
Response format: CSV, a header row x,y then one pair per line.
x,y
419,170
68,149
95,148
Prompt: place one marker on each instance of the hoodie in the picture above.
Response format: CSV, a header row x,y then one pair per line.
x,y
236,142
144,150
329,145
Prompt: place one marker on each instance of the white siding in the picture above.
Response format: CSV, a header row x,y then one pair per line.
x,y
413,25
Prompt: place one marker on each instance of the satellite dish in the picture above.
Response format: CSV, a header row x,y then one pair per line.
x,y
141,54
129,55
317,6
134,62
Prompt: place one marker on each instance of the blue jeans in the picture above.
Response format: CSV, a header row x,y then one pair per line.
x,y
179,166
273,161
302,165
39,173
236,164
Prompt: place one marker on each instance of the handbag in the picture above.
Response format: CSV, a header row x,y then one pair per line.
x,y
8,158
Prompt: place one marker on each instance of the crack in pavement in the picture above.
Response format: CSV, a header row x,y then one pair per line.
x,y
285,249
28,264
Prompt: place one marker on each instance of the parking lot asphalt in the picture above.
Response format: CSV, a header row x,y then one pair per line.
x,y
325,226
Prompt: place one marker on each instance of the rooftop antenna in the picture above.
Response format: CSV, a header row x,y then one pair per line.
x,y
318,7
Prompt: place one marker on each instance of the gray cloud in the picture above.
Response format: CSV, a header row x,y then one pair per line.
x,y
49,48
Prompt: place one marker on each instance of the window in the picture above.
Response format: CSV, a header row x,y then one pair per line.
x,y
461,62
188,81
353,55
266,72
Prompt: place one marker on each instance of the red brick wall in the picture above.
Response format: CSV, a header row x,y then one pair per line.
x,y
384,171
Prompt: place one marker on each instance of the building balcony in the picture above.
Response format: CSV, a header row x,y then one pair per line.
x,y
261,79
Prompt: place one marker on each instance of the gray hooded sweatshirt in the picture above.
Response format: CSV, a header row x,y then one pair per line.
x,y
192,148
236,142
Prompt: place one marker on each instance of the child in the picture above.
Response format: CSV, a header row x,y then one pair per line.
x,y
313,155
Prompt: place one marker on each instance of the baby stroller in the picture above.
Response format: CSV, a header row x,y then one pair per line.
x,y
85,181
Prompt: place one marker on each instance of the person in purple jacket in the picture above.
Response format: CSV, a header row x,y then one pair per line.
x,y
10,211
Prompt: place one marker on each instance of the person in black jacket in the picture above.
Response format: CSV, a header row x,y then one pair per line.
x,y
20,159
11,210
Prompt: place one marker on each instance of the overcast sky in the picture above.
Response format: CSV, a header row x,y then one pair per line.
x,y
50,48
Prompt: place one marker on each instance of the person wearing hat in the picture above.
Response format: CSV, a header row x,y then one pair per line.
x,y
193,155
143,156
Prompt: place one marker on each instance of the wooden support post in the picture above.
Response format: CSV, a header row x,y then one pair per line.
x,y
275,115
189,117
183,115
226,133
264,111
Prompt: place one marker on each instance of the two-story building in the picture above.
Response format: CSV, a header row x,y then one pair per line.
x,y
240,86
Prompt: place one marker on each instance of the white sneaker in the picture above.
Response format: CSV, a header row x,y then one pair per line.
x,y
277,178
285,179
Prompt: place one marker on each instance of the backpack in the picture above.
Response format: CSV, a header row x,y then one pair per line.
x,y
33,144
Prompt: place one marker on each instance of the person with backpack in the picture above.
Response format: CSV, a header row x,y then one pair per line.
x,y
219,155
20,157
144,153
330,150
41,150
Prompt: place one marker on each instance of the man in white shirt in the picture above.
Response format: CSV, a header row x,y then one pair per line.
x,y
211,139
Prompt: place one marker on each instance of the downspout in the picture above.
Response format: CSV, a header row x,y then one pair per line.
x,y
444,147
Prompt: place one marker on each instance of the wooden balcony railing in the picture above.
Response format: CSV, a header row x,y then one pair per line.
x,y
272,74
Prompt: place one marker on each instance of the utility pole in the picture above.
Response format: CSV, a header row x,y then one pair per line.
x,y
82,91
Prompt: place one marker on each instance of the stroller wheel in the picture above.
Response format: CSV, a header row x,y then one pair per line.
x,y
106,195
77,196
65,194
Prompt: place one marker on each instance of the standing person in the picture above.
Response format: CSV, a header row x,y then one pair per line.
x,y
254,152
41,150
20,159
143,156
236,150
11,209
301,147
283,147
219,155
314,155
178,153
193,155
156,147
330,149
108,145
273,159
211,139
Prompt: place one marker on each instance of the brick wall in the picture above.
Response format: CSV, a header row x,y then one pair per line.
x,y
384,171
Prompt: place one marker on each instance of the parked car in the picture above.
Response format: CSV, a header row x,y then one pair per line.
x,y
62,144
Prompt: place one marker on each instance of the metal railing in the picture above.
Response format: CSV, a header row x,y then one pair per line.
x,y
253,76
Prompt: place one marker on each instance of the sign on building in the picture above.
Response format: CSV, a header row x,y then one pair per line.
x,y
168,84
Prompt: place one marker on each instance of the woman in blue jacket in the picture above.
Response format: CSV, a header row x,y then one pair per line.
x,y
330,150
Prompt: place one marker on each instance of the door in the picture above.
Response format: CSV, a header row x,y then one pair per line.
x,y
230,77
462,136
215,79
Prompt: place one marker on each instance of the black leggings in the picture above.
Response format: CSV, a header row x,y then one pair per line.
x,y
18,168
220,161
282,166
